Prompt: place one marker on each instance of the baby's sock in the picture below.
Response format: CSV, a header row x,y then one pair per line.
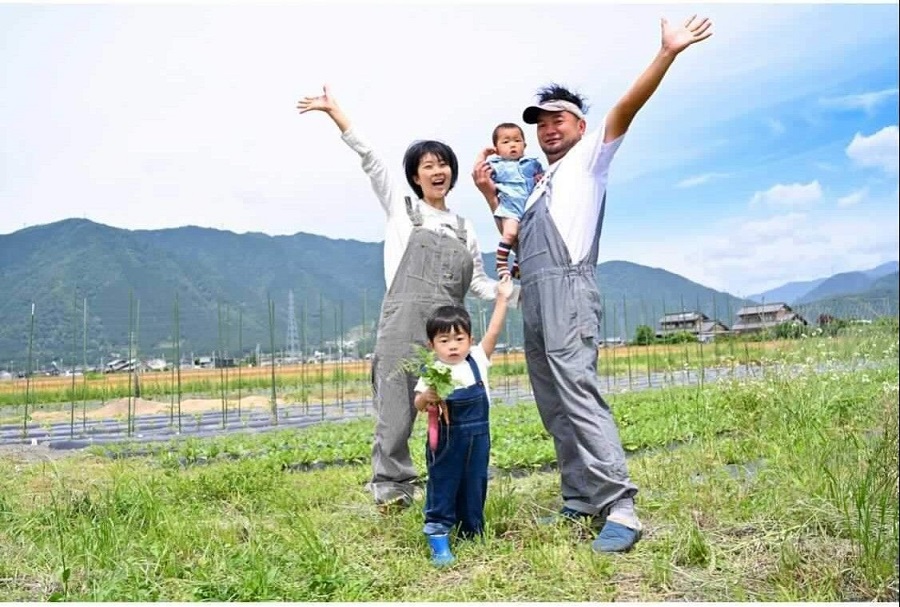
x,y
503,251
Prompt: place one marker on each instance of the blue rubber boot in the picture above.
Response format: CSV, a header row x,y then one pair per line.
x,y
440,550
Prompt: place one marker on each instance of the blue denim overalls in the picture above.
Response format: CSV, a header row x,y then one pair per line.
x,y
458,468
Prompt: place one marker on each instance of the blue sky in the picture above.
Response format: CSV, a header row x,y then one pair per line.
x,y
769,153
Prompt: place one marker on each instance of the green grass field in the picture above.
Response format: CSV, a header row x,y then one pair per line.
x,y
780,487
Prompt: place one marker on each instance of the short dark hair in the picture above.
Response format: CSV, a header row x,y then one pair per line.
x,y
557,92
446,319
505,125
417,150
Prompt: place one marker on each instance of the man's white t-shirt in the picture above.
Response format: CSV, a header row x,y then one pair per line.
x,y
462,373
578,185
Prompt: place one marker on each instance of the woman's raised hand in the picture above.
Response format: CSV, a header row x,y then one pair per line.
x,y
324,102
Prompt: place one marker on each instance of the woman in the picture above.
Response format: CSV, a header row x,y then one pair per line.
x,y
431,258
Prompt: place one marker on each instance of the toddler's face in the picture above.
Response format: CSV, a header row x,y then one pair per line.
x,y
510,144
451,347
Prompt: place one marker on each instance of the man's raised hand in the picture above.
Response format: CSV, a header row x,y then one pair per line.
x,y
676,39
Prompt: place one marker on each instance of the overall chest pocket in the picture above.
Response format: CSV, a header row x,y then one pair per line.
x,y
436,259
470,409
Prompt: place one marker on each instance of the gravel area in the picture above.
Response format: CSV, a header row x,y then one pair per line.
x,y
30,454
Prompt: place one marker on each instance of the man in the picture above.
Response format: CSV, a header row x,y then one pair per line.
x,y
558,242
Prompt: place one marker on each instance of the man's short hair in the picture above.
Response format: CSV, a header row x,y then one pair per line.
x,y
555,98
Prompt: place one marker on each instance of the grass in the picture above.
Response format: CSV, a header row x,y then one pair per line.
x,y
776,488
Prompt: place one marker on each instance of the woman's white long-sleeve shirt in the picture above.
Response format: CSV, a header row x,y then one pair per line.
x,y
399,227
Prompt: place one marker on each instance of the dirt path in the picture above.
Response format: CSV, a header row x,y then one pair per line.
x,y
23,454
31,454
118,409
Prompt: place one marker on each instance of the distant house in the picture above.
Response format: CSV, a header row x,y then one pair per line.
x,y
611,342
118,365
681,321
156,364
696,323
753,319
710,329
213,362
221,362
204,362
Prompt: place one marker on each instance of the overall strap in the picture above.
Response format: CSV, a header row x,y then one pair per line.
x,y
415,215
474,366
547,183
459,229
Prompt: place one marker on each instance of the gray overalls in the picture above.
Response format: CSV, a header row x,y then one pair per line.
x,y
436,269
561,314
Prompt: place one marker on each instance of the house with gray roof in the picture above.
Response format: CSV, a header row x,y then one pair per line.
x,y
696,323
753,319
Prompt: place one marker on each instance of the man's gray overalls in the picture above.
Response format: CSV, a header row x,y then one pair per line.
x,y
561,312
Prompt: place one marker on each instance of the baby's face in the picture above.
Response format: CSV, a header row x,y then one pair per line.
x,y
510,144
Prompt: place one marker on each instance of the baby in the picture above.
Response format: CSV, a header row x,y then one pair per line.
x,y
515,177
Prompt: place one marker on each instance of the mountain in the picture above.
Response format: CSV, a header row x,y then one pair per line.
x,y
131,278
632,294
224,283
882,298
807,291
889,284
638,295
787,293
845,283
885,269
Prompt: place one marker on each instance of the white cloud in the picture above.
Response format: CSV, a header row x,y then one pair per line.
x,y
758,250
776,127
863,101
825,167
879,150
691,182
216,99
752,256
853,198
790,195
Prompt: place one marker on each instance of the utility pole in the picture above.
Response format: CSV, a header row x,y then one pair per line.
x,y
292,328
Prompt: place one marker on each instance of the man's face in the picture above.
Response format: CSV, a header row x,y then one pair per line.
x,y
557,132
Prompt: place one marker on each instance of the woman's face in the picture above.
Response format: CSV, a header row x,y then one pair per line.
x,y
434,177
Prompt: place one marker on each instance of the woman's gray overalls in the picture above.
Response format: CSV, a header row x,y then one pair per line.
x,y
561,313
436,269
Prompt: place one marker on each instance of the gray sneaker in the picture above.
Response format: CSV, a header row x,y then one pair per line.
x,y
394,503
570,515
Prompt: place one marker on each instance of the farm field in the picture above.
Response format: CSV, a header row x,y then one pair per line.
x,y
333,379
777,486
298,371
